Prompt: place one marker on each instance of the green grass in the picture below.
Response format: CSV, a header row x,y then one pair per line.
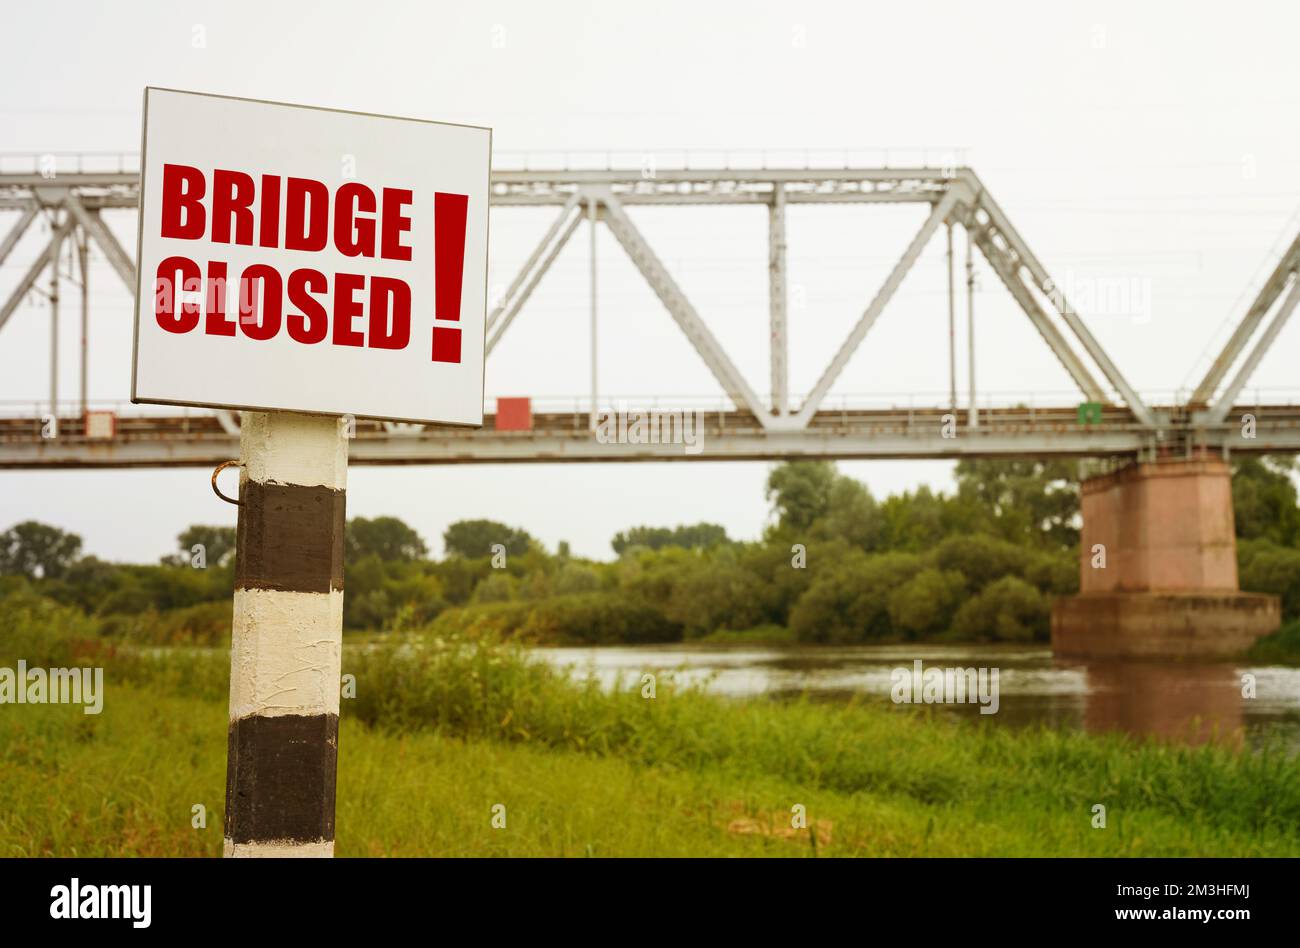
x,y
438,735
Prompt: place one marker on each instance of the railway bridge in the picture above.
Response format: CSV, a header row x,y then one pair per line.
x,y
1164,513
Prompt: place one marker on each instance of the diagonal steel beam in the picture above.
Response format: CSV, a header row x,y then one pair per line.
x,y
1009,272
1081,332
1219,410
34,271
940,211
1268,295
20,227
508,316
94,225
536,255
679,307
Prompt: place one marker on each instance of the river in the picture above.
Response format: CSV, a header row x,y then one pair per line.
x,y
1193,703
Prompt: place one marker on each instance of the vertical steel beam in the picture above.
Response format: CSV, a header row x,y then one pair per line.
x,y
84,262
56,247
595,395
776,294
952,330
972,409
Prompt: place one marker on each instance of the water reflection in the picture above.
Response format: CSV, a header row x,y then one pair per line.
x,y
1195,704
1171,701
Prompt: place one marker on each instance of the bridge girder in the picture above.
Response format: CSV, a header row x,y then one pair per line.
x,y
954,196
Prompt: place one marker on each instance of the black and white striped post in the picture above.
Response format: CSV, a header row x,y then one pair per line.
x,y
287,642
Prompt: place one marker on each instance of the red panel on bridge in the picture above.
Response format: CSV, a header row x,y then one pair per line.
x,y
514,414
100,425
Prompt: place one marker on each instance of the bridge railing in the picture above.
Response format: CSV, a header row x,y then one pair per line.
x,y
36,408
53,163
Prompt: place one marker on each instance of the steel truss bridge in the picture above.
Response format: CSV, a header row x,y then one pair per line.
x,y
1107,419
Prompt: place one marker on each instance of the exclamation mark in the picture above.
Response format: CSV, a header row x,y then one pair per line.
x,y
449,211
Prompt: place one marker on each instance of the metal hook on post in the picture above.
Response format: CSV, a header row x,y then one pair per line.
x,y
217,490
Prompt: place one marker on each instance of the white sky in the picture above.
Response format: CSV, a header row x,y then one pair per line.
x,y
1154,144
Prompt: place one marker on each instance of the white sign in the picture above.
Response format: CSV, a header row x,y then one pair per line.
x,y
312,260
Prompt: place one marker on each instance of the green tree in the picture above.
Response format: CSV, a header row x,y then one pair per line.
x,y
498,586
1268,568
715,595
848,600
218,545
780,584
1008,610
916,520
1029,501
924,605
699,536
388,538
37,550
575,578
800,493
1264,499
475,538
89,582
981,558
851,515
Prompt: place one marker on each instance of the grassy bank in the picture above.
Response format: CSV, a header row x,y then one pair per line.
x,y
125,783
441,732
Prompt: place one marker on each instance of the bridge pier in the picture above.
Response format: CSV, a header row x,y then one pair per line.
x,y
1158,568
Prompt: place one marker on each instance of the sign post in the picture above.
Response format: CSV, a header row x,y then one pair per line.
x,y
286,646
306,265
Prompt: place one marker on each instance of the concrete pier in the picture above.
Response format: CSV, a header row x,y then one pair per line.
x,y
1158,568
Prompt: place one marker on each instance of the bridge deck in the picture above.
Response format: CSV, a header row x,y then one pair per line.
x,y
200,439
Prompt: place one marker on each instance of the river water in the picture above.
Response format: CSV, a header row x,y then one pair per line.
x,y
1194,703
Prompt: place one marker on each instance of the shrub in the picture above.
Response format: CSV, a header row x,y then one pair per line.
x,y
586,618
924,605
849,602
576,578
207,624
1009,610
1268,568
1054,572
1282,647
981,558
41,631
497,587
713,596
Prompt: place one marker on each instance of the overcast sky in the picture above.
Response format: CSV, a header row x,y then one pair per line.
x,y
1154,144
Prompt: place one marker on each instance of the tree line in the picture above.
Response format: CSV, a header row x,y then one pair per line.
x,y
834,565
